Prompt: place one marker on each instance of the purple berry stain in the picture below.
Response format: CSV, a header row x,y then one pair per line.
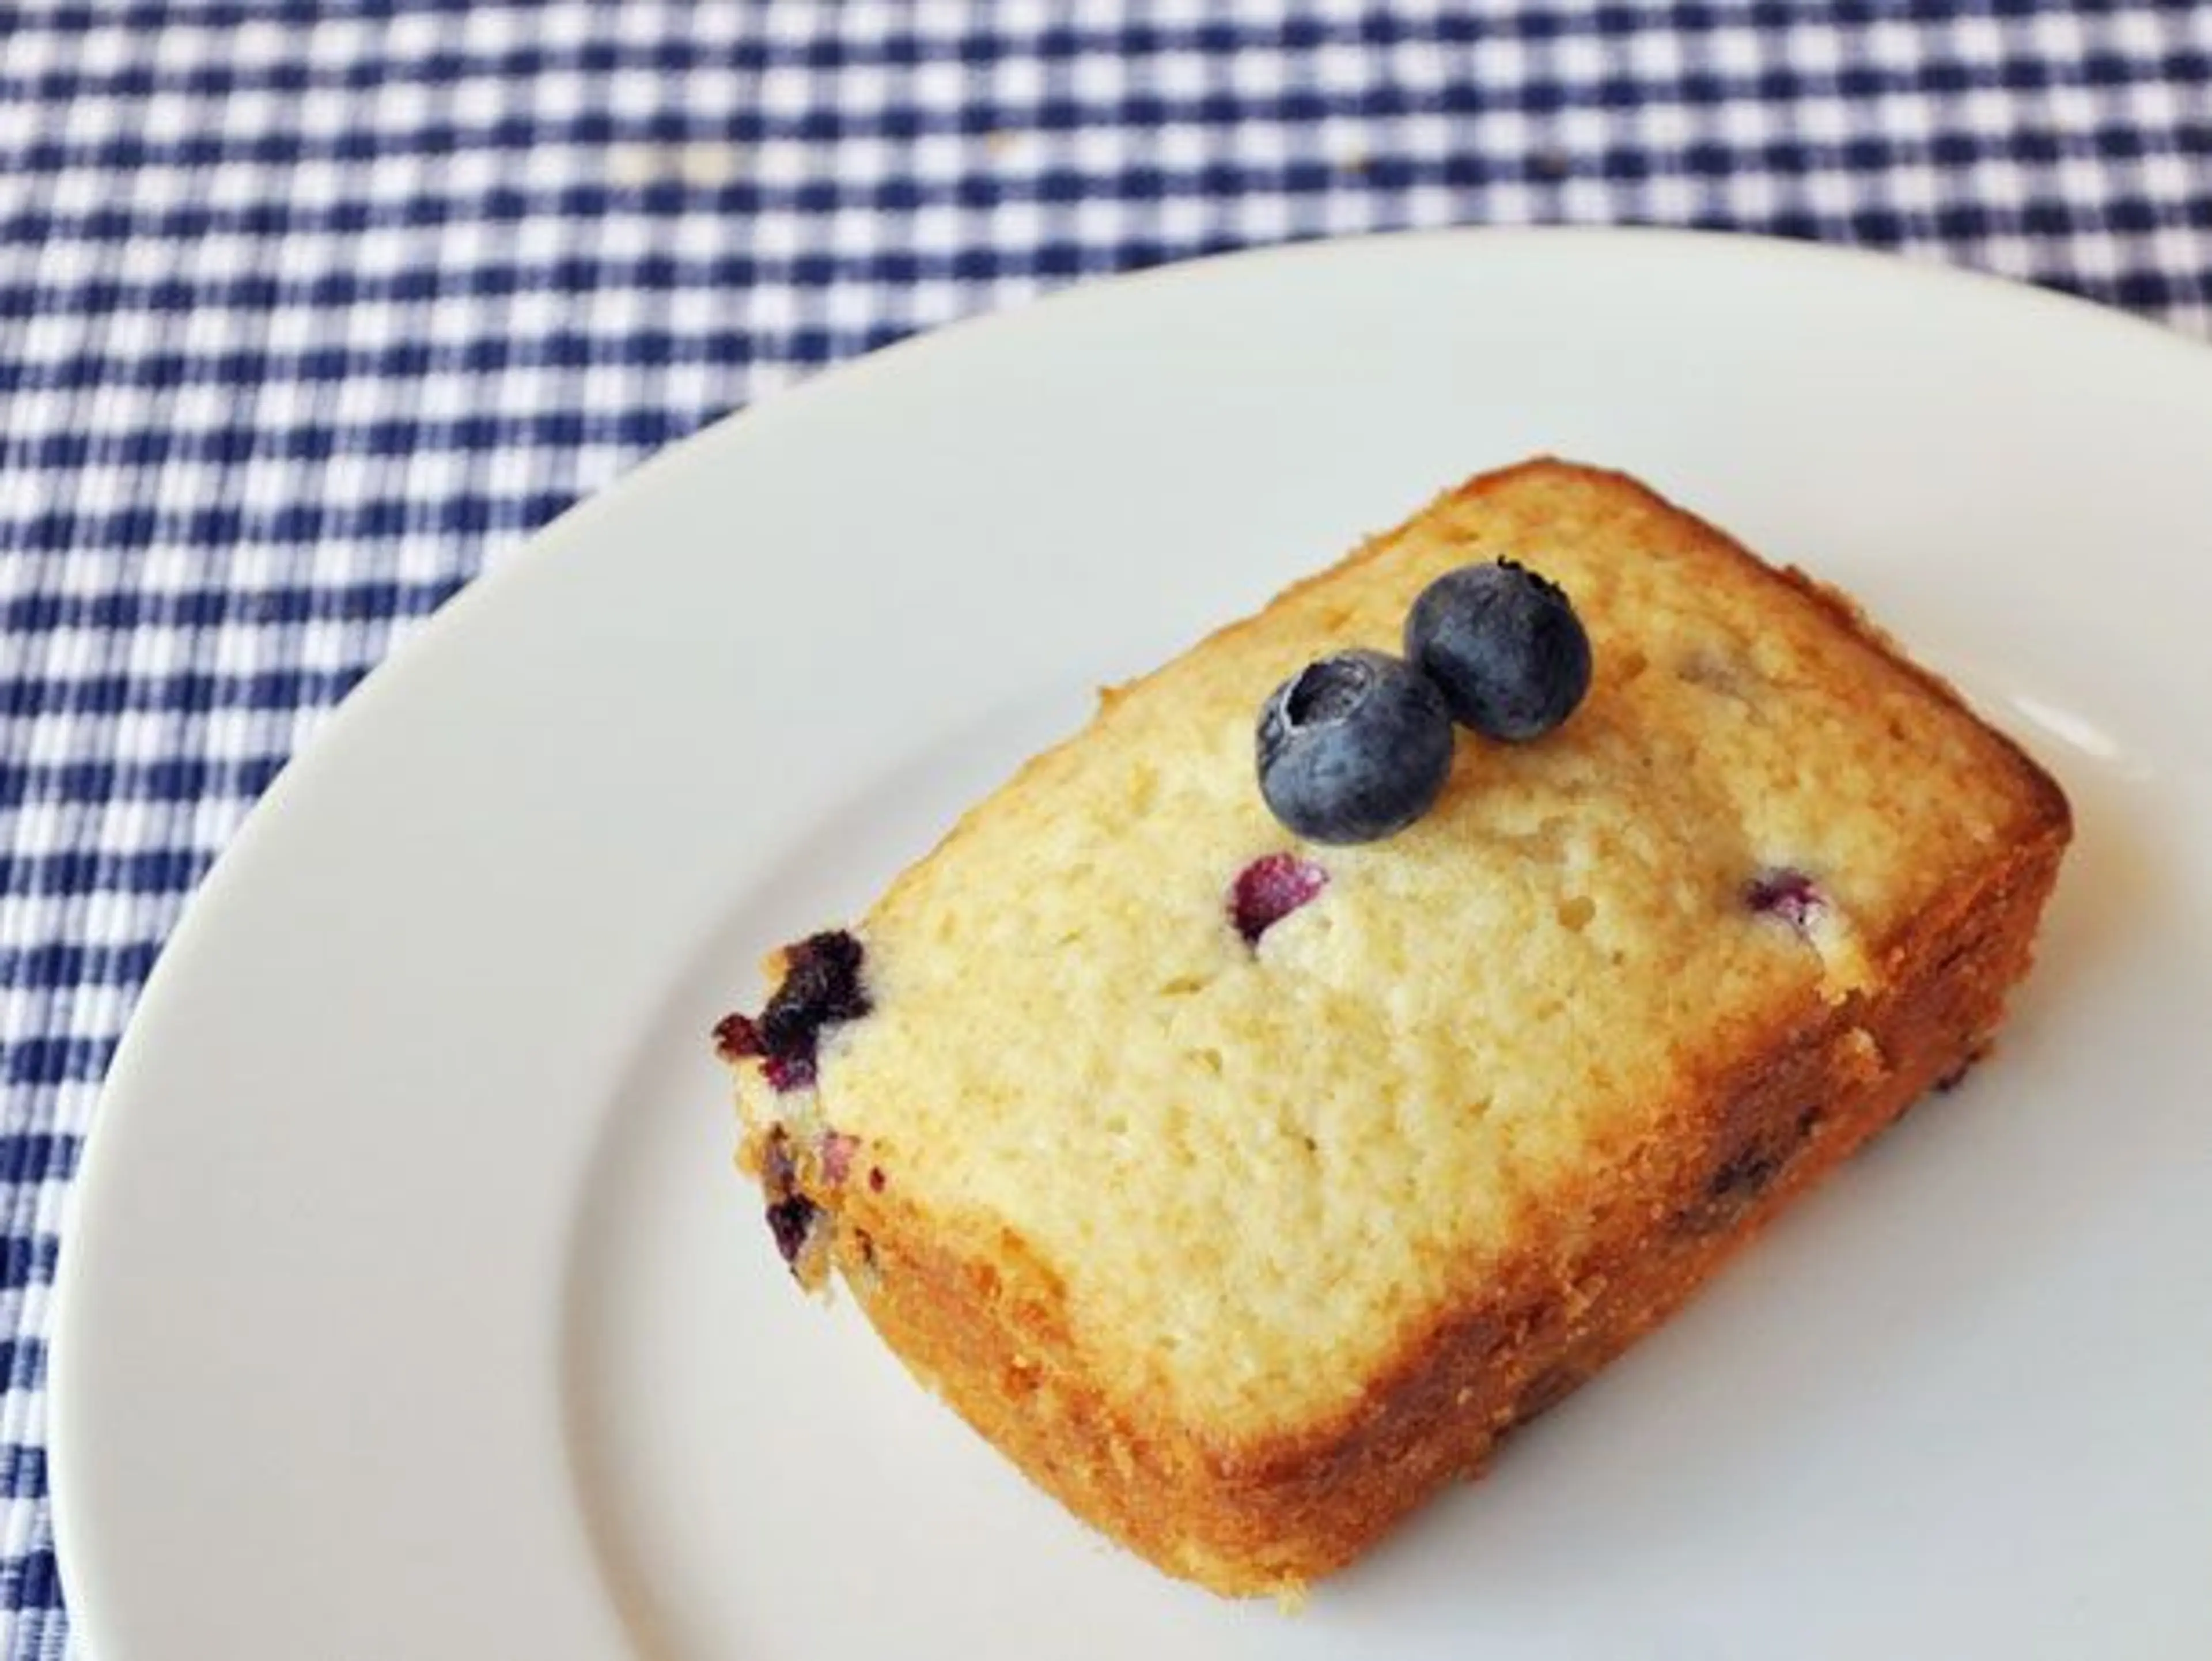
x,y
779,1176
1269,889
1788,896
791,1215
792,1222
837,1150
821,987
789,1072
736,1038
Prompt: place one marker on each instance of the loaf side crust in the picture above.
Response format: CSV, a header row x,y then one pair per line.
x,y
1266,1505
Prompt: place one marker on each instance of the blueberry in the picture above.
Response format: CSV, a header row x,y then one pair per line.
x,y
1353,747
822,986
1504,646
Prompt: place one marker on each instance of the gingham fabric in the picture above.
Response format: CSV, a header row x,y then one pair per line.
x,y
306,317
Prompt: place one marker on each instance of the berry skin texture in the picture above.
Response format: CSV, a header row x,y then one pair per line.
x,y
1353,748
1505,647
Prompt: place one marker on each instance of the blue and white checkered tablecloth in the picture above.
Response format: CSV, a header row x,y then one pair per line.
x,y
306,315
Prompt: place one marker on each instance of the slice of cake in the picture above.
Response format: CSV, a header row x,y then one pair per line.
x,y
1245,1188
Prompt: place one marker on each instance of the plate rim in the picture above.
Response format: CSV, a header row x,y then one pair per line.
x,y
106,1138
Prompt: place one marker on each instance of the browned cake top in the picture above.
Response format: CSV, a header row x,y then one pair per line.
x,y
1252,1168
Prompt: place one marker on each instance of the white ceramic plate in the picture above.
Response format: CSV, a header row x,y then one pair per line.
x,y
412,1309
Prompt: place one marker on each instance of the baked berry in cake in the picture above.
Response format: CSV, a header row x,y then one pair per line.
x,y
1378,1017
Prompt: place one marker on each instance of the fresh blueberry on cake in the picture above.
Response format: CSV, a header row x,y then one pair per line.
x,y
1380,1016
1504,646
1353,747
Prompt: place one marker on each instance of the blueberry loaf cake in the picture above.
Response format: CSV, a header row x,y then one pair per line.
x,y
1245,1184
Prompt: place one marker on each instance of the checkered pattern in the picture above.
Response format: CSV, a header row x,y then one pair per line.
x,y
306,317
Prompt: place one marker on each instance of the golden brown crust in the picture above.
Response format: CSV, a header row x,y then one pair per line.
x,y
975,1314
1255,1518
